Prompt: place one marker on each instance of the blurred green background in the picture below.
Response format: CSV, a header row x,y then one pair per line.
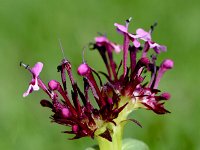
x,y
29,31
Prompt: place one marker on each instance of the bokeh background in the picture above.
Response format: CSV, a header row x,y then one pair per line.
x,y
29,31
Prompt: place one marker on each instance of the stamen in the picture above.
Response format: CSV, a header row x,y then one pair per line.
x,y
61,47
24,65
153,27
83,54
128,21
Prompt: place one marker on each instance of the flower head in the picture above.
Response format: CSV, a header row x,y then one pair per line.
x,y
116,98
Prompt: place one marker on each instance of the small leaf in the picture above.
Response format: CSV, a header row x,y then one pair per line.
x,y
133,144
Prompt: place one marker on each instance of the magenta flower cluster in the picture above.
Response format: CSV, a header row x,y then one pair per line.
x,y
76,110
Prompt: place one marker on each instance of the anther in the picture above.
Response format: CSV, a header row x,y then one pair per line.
x,y
129,20
153,26
24,65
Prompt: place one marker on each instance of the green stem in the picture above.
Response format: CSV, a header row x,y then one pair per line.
x,y
116,131
116,143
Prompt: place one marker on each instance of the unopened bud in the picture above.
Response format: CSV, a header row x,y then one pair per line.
x,y
53,85
83,69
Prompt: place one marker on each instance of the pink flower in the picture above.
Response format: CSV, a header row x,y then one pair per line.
x,y
110,46
124,30
146,36
127,89
127,38
33,85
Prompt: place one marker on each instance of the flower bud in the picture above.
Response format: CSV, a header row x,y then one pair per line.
x,y
75,128
83,69
167,64
165,96
53,85
65,112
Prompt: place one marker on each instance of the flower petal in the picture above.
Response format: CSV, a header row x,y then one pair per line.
x,y
37,69
136,43
101,39
158,48
121,28
30,90
143,34
117,48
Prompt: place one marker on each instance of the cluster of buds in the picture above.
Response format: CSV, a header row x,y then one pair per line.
x,y
118,97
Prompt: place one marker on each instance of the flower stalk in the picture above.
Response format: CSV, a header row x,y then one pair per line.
x,y
117,129
116,143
